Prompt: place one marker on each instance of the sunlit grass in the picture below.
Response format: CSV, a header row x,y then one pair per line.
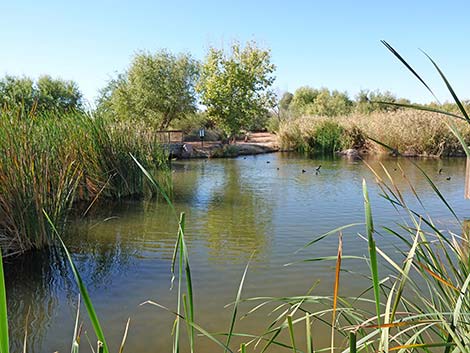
x,y
411,132
52,162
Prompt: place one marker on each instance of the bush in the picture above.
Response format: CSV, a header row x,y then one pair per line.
x,y
327,137
225,151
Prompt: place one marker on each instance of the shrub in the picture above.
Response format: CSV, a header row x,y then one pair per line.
x,y
326,137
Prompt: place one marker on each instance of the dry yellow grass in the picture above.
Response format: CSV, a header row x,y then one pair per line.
x,y
408,131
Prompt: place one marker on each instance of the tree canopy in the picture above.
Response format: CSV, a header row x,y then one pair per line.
x,y
322,102
46,95
235,86
371,101
158,88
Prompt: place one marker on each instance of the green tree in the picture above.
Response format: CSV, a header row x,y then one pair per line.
x,y
373,101
57,95
16,91
285,101
235,87
46,95
303,100
157,87
321,102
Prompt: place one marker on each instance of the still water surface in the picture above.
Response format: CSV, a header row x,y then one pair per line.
x,y
261,205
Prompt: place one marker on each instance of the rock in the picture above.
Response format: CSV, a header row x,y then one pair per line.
x,y
350,153
187,151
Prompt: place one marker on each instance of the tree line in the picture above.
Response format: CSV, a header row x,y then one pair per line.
x,y
232,88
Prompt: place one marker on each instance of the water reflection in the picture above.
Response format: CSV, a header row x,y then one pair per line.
x,y
232,235
34,283
234,207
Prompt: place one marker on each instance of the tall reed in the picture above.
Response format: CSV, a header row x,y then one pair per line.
x,y
51,162
410,132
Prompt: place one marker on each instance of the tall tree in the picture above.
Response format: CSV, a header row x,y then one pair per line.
x,y
157,87
235,87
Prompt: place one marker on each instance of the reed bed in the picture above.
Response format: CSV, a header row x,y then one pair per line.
x,y
409,132
52,162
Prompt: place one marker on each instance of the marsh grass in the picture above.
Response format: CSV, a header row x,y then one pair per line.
x,y
410,132
52,162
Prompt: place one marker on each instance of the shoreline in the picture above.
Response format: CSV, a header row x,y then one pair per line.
x,y
256,143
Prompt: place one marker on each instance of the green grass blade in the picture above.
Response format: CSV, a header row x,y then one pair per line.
x,y
336,290
462,297
331,232
176,340
352,342
291,333
193,324
405,275
408,66
235,306
436,191
308,333
434,187
459,136
451,90
372,250
83,290
189,303
155,184
421,107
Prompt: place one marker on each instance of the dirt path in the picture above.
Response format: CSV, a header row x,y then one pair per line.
x,y
257,143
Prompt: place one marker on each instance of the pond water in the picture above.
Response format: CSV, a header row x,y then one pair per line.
x,y
261,206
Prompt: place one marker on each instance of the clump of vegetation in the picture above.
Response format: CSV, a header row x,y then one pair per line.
x,y
408,132
320,102
226,151
368,102
326,137
236,87
51,161
46,95
319,135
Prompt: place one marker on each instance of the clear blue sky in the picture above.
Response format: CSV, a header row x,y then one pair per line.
x,y
332,44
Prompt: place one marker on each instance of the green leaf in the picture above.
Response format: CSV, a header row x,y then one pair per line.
x,y
372,250
83,290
